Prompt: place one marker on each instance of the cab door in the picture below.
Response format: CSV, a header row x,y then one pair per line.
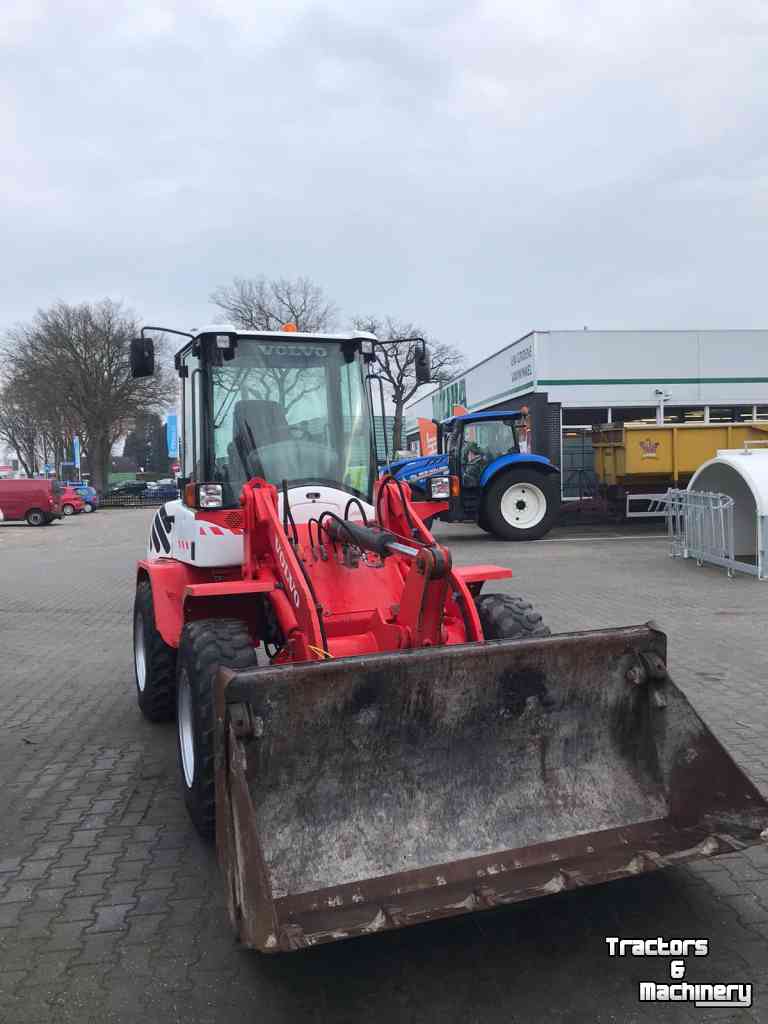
x,y
192,426
471,463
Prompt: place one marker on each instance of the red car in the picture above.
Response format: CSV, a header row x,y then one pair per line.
x,y
71,502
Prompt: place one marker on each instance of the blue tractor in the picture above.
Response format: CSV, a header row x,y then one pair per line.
x,y
485,478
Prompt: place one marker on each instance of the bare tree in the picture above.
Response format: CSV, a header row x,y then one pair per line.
x,y
261,305
20,430
75,360
397,362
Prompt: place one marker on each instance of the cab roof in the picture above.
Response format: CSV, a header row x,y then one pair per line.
x,y
473,417
284,335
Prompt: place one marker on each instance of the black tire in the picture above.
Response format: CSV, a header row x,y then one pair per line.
x,y
87,507
205,646
531,486
68,510
482,522
504,617
36,517
154,662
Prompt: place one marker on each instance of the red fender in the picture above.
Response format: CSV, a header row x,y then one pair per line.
x,y
169,580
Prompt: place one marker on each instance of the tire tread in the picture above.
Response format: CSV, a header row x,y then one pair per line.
x,y
507,617
206,646
158,699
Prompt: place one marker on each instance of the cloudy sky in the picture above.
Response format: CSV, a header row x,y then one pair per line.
x,y
482,168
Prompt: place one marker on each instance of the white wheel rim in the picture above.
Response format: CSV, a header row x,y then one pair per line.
x,y
87,507
186,730
523,506
139,651
68,510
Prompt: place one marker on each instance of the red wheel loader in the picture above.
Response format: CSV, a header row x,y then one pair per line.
x,y
372,741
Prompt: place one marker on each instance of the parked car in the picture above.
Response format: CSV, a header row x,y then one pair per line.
x,y
37,501
89,494
71,502
161,490
126,487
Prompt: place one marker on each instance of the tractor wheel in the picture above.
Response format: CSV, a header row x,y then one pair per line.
x,y
154,662
482,522
205,646
521,504
504,617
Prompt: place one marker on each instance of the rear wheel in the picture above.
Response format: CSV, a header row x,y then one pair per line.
x,y
505,617
482,522
205,647
36,517
68,510
521,504
154,661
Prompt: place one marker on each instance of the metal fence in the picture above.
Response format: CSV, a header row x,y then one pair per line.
x,y
700,526
147,499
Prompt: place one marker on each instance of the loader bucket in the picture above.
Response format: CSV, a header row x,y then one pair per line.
x,y
376,792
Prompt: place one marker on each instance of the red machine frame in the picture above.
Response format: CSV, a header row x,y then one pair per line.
x,y
409,598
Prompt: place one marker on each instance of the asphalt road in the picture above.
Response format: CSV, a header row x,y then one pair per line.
x,y
112,910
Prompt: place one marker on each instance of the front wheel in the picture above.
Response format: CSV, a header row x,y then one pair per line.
x,y
521,504
205,647
68,510
87,507
504,617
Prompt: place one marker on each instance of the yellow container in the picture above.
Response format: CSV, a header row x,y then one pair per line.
x,y
638,451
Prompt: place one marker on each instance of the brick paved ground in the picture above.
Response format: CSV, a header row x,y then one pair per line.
x,y
111,909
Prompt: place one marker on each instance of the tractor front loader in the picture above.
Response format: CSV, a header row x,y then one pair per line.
x,y
374,741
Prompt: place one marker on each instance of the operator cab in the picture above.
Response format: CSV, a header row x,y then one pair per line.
x,y
474,441
288,407
294,409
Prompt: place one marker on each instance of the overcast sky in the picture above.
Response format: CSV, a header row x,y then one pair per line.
x,y
481,168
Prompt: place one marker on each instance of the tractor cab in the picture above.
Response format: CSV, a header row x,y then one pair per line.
x,y
475,441
290,408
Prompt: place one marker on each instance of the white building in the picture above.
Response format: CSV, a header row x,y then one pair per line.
x,y
573,380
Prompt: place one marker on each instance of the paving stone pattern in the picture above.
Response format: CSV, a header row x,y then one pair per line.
x,y
111,909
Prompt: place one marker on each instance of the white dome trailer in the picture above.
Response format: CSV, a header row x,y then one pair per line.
x,y
722,517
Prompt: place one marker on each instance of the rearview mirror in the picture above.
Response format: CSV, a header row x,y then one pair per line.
x,y
422,364
142,357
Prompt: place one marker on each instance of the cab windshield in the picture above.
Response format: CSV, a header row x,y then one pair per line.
x,y
294,411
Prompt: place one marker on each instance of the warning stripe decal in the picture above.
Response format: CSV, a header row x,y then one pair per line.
x,y
160,536
219,531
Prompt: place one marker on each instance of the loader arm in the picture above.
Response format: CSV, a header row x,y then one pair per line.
x,y
331,599
269,551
